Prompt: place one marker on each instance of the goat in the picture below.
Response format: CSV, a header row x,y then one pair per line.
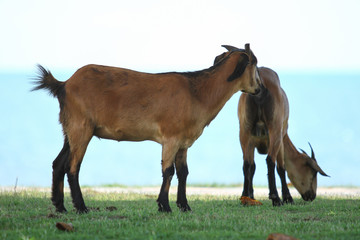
x,y
263,122
171,109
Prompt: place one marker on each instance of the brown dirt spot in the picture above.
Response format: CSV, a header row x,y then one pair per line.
x,y
111,208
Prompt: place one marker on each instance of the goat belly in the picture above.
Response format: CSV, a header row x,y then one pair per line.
x,y
124,135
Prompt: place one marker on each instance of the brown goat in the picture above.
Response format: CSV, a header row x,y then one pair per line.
x,y
263,125
124,105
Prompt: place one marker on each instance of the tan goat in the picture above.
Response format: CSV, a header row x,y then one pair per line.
x,y
263,125
124,105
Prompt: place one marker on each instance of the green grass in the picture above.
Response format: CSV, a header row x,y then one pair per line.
x,y
30,215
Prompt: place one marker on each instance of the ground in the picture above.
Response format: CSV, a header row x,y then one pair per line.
x,y
259,192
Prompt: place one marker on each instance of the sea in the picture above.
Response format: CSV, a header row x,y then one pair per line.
x,y
324,111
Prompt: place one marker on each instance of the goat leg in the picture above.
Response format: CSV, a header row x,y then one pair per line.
x,y
76,194
284,188
182,173
273,195
59,165
249,170
163,199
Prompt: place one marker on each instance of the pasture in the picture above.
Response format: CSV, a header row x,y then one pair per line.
x,y
29,214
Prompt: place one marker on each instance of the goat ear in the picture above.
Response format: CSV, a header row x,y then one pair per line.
x,y
240,67
303,152
230,48
313,164
219,58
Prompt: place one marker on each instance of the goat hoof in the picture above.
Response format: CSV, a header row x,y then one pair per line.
x,y
288,200
82,210
184,207
277,202
61,209
164,208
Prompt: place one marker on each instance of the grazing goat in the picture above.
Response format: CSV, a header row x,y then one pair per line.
x,y
263,125
124,105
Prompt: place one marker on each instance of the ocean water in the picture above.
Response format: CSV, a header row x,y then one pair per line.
x,y
324,110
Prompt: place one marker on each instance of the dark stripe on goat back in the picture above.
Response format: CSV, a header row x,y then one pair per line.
x,y
199,73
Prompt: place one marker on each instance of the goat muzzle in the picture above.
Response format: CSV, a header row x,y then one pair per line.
x,y
308,196
257,91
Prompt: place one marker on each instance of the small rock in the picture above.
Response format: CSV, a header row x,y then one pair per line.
x,y
68,227
280,236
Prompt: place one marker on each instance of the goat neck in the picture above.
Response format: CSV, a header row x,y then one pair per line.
x,y
214,90
290,150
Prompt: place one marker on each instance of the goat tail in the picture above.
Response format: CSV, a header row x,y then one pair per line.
x,y
45,80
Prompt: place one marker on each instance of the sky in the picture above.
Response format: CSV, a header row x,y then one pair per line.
x,y
313,46
178,35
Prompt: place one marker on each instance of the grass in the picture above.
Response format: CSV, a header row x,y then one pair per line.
x,y
30,215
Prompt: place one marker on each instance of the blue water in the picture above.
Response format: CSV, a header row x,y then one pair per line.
x,y
324,110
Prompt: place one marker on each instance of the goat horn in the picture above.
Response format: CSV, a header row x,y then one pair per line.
x,y
303,152
230,48
313,164
247,48
248,51
312,152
